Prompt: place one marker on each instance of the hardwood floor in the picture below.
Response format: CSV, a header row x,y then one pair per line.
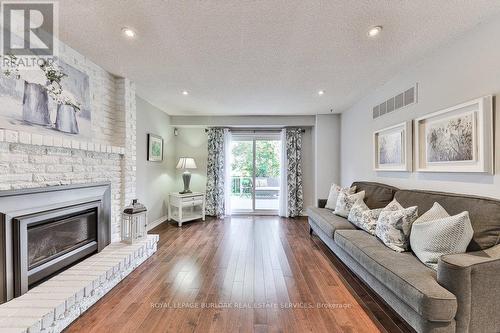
x,y
241,274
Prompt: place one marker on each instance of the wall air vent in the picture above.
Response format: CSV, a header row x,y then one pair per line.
x,y
397,102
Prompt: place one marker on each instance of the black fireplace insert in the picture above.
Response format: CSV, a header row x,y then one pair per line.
x,y
50,239
48,242
44,231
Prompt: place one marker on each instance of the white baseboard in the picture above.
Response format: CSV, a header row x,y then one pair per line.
x,y
156,223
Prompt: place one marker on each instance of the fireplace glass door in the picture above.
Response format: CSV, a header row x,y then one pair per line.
x,y
48,242
50,239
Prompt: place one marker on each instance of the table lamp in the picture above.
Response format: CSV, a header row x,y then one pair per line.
x,y
186,163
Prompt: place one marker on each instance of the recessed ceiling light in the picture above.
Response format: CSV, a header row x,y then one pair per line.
x,y
374,31
185,92
321,92
128,32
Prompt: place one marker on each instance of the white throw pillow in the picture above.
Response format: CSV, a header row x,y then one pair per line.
x,y
435,213
364,217
392,206
393,227
335,189
436,233
345,202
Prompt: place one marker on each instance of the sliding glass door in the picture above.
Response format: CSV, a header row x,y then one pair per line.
x,y
242,171
255,173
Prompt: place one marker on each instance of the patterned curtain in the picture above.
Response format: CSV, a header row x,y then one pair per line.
x,y
215,173
295,196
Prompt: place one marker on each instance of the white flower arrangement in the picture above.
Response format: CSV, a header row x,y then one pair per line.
x,y
48,77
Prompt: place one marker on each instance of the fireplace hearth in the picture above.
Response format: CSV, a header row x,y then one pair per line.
x,y
46,230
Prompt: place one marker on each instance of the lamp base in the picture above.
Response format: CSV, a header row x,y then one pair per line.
x,y
186,178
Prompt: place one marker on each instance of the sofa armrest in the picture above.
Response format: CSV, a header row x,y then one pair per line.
x,y
322,203
474,278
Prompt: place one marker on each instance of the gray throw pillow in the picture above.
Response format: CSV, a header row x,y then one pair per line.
x,y
436,233
393,227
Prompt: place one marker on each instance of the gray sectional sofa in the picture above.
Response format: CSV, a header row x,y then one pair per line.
x,y
462,296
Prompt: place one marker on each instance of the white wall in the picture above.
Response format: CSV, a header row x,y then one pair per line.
x,y
192,142
154,179
466,68
308,167
327,152
255,121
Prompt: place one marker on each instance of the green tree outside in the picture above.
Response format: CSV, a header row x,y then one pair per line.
x,y
267,162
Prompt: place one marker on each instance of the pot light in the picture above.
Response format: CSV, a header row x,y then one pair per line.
x,y
374,31
128,32
185,92
321,92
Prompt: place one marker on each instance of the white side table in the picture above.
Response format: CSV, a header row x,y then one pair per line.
x,y
186,207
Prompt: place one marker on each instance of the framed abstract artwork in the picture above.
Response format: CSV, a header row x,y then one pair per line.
x,y
393,148
155,148
456,139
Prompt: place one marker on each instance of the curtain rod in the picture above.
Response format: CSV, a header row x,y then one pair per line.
x,y
257,129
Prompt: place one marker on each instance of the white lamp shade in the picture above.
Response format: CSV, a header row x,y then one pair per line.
x,y
186,163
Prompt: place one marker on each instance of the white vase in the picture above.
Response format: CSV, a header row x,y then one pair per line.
x,y
35,104
66,119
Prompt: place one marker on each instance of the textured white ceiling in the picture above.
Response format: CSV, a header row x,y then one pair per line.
x,y
262,57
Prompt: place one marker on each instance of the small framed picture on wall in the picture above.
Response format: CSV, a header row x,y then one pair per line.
x,y
155,148
393,148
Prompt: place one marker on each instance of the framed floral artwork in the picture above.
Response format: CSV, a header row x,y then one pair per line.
x,y
155,148
456,139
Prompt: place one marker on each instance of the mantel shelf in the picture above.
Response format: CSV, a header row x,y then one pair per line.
x,y
21,137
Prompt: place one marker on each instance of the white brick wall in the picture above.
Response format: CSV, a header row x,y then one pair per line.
x,y
126,97
33,160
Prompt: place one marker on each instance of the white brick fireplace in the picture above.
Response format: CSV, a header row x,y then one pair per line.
x,y
33,160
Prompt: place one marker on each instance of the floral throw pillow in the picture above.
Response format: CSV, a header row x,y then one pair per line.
x,y
393,227
345,202
392,206
364,217
334,194
356,213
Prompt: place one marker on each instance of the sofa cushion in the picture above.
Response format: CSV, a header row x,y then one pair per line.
x,y
393,227
335,190
376,195
436,233
484,213
363,217
402,273
327,221
345,202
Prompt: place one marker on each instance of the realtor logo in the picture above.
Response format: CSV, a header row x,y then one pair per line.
x,y
29,28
